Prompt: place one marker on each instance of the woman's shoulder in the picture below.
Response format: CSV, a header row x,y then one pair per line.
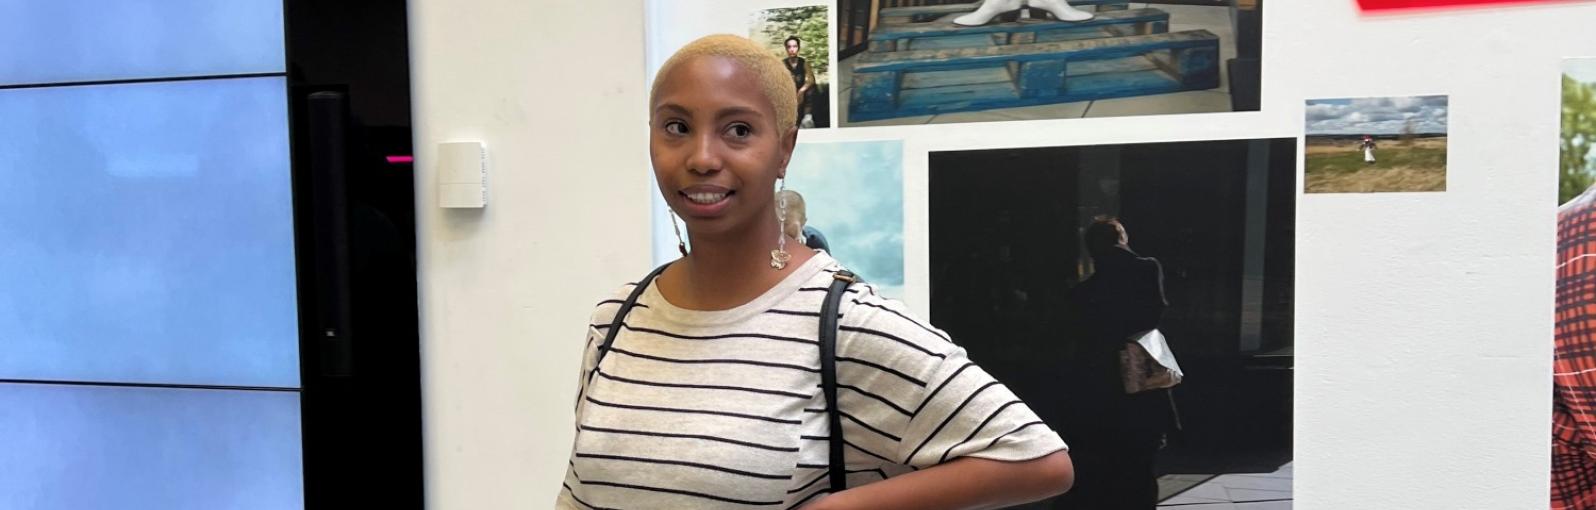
x,y
873,322
607,306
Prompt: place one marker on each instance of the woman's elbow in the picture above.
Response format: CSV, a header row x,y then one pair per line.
x,y
1056,473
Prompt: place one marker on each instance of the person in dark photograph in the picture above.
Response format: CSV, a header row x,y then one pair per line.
x,y
1119,434
803,77
797,225
707,394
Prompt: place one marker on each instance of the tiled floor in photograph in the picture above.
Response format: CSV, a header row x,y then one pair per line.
x,y
1267,491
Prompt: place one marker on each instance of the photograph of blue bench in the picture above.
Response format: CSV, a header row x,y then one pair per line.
x,y
922,63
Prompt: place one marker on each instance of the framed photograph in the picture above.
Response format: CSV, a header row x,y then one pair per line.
x,y
905,62
1046,261
800,36
1382,144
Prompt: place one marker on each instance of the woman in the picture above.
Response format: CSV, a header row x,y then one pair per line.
x,y
708,396
1367,146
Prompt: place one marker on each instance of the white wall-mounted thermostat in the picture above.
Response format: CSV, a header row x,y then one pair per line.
x,y
462,175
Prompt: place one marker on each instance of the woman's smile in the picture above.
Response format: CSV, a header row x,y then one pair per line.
x,y
705,200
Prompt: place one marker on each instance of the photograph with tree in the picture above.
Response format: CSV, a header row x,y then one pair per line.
x,y
800,36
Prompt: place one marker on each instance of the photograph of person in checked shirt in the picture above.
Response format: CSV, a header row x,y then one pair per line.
x,y
1574,364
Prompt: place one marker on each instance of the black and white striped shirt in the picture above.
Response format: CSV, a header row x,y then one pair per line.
x,y
723,409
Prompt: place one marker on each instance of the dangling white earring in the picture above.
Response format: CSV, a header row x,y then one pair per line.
x,y
681,245
779,256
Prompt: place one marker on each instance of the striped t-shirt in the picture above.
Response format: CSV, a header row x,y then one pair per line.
x,y
723,409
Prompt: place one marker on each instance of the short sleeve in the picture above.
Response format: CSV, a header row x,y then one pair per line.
x,y
969,413
910,396
589,359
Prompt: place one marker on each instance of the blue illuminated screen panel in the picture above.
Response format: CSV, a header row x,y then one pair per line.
x,y
54,41
148,234
78,447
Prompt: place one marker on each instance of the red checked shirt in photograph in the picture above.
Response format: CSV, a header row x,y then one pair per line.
x,y
1574,363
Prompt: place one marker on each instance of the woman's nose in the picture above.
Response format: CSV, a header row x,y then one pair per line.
x,y
704,156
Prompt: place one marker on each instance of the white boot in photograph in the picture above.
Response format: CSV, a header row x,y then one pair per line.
x,y
992,8
1060,9
988,10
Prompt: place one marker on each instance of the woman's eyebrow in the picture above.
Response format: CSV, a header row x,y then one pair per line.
x,y
734,111
673,108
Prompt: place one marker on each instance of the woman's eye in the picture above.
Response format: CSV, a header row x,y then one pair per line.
x,y
739,130
676,128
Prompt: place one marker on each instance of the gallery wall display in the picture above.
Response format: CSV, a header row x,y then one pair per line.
x,y
933,62
1382,144
999,197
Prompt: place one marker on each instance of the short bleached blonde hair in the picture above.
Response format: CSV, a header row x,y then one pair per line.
x,y
772,75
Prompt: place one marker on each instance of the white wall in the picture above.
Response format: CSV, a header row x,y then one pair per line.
x,y
555,91
1423,320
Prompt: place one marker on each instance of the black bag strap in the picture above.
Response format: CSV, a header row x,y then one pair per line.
x,y
828,374
620,317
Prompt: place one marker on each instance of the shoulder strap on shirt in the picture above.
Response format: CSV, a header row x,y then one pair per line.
x,y
828,374
620,317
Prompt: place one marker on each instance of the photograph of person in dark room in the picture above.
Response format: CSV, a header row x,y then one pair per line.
x,y
1053,263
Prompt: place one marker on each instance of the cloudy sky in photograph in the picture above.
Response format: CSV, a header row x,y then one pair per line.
x,y
854,194
1580,69
1376,116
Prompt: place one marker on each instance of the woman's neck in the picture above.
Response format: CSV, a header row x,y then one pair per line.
x,y
720,274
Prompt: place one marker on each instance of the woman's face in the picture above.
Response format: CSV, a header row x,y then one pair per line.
x,y
716,148
792,48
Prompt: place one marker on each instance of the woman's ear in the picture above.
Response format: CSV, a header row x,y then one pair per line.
x,y
789,142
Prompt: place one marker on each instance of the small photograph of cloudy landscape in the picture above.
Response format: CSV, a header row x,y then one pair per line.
x,y
1384,144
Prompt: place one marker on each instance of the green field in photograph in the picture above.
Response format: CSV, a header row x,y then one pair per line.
x,y
1336,166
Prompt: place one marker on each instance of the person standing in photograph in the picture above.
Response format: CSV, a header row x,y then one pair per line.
x,y
1367,146
803,77
1118,434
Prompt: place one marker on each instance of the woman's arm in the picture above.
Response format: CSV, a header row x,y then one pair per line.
x,y
968,483
963,418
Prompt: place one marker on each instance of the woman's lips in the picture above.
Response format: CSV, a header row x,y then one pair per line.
x,y
705,198
704,201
